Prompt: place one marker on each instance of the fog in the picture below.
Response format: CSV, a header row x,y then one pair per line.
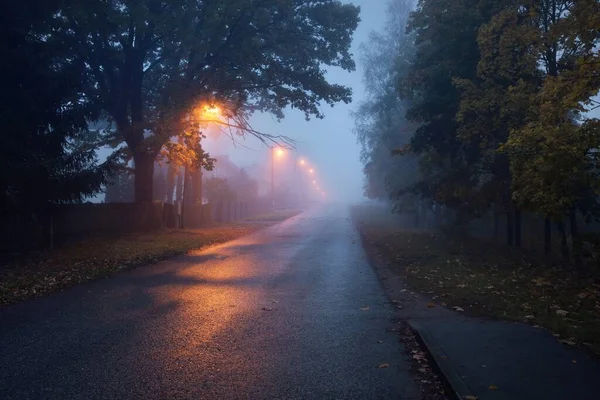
x,y
328,144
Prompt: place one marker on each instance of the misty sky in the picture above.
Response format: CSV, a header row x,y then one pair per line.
x,y
328,144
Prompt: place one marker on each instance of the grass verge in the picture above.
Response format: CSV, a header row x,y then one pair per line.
x,y
89,259
484,279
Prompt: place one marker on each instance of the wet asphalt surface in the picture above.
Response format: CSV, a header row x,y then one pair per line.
x,y
274,315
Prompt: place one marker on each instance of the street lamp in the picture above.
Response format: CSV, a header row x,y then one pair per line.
x,y
280,153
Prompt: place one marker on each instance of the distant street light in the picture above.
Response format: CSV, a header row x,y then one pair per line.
x,y
312,171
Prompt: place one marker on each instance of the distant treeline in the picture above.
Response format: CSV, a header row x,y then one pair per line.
x,y
480,107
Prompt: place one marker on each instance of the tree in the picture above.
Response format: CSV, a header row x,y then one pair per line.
x,y
218,190
497,100
380,125
446,49
245,188
151,63
119,188
45,153
160,183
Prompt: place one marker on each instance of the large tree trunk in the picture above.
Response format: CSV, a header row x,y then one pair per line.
x,y
179,186
509,227
496,224
171,175
197,186
547,236
144,172
564,244
575,238
517,228
187,187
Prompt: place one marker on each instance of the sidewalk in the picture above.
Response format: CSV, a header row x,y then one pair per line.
x,y
494,360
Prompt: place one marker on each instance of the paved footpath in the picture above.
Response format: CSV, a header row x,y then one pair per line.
x,y
274,315
517,360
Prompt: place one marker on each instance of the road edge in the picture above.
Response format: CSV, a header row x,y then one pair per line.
x,y
455,386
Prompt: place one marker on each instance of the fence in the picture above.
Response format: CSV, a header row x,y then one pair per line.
x,y
22,231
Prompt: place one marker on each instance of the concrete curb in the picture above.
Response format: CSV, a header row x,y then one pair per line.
x,y
454,385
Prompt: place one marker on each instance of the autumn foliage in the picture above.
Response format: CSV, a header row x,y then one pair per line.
x,y
498,95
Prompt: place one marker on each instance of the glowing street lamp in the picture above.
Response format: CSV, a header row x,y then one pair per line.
x,y
209,113
312,171
212,111
302,162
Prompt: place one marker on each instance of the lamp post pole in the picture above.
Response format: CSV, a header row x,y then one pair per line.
x,y
272,178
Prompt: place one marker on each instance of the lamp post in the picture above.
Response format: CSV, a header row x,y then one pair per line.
x,y
273,178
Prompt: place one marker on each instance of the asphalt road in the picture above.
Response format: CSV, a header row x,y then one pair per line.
x,y
274,315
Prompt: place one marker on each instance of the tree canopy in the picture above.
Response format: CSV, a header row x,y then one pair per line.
x,y
46,153
149,64
498,95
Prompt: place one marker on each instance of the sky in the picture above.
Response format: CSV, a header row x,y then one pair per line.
x,y
328,144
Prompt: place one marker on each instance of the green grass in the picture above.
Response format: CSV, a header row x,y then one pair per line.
x,y
94,258
486,279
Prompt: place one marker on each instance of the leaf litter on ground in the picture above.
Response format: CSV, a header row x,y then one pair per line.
x,y
487,279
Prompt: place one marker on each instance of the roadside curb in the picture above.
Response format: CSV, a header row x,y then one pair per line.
x,y
454,385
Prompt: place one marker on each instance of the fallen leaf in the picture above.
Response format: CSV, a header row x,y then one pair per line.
x,y
469,397
562,313
425,381
493,387
384,365
462,285
457,308
569,342
529,317
380,341
430,305
365,309
422,370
